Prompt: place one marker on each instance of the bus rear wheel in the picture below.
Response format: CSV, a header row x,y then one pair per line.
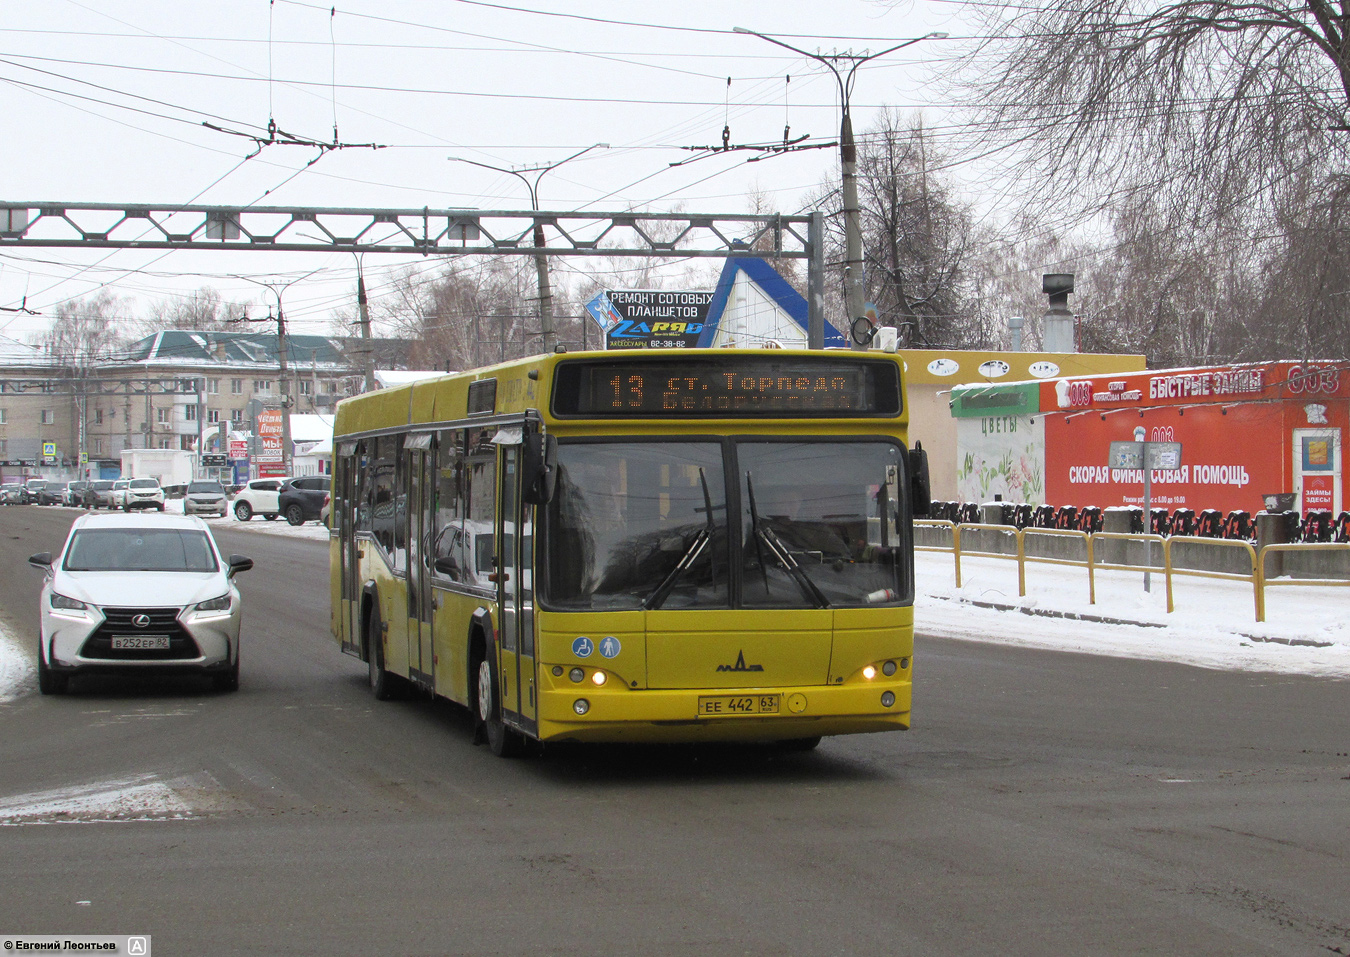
x,y
381,681
504,742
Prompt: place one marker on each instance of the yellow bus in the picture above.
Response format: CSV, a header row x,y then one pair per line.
x,y
654,546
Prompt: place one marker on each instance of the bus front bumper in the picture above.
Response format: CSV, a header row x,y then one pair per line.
x,y
746,714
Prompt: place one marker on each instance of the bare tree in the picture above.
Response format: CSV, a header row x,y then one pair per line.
x,y
916,239
205,309
1213,105
85,331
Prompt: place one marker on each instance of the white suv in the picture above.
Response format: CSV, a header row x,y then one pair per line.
x,y
259,497
143,493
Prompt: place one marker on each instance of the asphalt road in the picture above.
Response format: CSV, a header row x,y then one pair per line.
x,y
1045,803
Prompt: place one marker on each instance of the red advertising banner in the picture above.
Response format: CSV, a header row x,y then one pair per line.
x,y
269,460
1216,471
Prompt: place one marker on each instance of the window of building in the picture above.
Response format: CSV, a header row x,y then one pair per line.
x,y
330,386
262,385
98,446
306,387
163,443
48,417
4,446
236,386
212,386
98,416
162,415
4,417
190,413
236,415
212,415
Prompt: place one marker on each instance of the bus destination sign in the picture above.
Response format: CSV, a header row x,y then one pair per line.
x,y
727,386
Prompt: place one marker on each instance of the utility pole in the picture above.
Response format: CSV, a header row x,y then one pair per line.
x,y
854,293
367,346
283,355
540,260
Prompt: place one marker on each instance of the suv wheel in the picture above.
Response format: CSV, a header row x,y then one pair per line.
x,y
295,514
243,511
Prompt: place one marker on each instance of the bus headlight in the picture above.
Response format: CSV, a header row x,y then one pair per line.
x,y
869,672
599,678
581,706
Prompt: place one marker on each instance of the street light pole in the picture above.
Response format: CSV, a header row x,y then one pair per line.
x,y
848,162
540,260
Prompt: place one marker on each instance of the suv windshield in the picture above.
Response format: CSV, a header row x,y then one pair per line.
x,y
644,525
205,487
140,550
144,483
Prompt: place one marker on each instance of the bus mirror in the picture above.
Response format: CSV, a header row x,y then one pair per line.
x,y
539,468
920,495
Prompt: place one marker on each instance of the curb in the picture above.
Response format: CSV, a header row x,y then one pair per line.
x,y
1103,620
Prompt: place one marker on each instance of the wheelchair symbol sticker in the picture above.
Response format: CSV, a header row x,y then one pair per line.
x,y
582,647
609,647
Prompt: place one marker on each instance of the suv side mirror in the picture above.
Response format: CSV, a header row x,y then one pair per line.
x,y
41,560
238,563
539,467
920,491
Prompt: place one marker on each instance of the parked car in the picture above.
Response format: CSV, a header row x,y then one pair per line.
x,y
43,492
102,489
204,497
73,494
143,493
119,493
259,497
31,490
127,596
301,499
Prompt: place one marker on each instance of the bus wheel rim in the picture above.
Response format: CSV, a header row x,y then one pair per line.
x,y
485,690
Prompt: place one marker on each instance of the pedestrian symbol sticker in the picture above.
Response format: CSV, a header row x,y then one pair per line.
x,y
609,647
582,647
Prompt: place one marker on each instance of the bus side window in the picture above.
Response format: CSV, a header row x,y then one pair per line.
x,y
447,552
481,501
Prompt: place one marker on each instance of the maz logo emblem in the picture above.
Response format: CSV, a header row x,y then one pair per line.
x,y
141,621
740,665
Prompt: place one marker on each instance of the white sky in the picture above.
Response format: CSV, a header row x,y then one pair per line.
x,y
104,101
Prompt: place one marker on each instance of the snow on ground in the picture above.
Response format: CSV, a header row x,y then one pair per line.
x,y
1307,630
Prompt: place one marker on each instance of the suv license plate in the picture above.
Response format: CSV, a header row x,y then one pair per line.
x,y
140,642
731,706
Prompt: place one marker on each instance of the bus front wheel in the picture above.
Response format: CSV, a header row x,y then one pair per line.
x,y
504,742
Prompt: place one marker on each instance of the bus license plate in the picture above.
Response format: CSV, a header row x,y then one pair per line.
x,y
140,642
730,706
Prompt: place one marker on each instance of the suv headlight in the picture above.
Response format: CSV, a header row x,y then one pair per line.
x,y
215,604
67,604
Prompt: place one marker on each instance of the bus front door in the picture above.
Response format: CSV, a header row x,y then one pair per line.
x,y
515,556
421,489
343,517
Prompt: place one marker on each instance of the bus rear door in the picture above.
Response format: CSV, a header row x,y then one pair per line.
x,y
515,584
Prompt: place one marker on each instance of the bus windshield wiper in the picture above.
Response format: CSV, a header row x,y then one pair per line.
x,y
691,554
780,552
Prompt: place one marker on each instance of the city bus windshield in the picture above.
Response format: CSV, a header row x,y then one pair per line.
x,y
638,525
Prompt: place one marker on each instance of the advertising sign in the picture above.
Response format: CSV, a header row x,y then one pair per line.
x,y
269,458
652,319
1216,472
238,448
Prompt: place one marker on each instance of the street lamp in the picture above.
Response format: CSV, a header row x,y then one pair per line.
x,y
540,260
848,160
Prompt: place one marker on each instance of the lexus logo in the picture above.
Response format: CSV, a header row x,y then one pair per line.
x,y
141,621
